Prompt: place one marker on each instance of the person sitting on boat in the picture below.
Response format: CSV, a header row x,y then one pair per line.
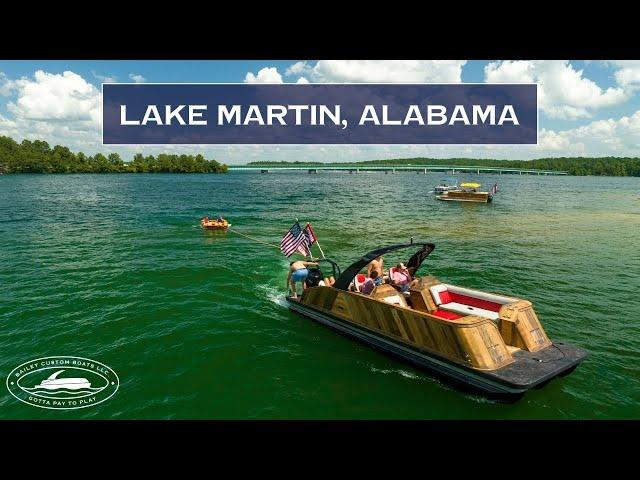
x,y
369,284
298,273
328,281
219,219
376,266
401,278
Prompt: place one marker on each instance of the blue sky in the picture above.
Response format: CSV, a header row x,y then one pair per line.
x,y
587,108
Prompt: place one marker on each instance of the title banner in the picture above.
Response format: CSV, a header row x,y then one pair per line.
x,y
152,114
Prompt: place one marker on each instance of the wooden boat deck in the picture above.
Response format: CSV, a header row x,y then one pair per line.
x,y
528,370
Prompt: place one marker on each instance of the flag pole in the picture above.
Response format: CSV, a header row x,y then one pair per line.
x,y
317,243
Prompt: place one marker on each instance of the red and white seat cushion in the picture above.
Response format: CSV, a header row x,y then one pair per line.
x,y
468,302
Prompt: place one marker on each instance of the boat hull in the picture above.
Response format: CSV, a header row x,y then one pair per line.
x,y
529,370
467,197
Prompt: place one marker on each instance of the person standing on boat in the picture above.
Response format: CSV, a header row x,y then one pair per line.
x,y
376,266
298,273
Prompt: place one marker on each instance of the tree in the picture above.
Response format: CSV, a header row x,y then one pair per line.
x,y
38,157
115,160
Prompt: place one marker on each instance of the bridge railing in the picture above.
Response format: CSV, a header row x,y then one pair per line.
x,y
434,168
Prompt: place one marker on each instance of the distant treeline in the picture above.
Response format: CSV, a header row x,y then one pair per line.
x,y
609,166
39,157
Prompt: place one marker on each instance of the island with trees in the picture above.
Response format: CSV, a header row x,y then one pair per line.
x,y
607,166
38,157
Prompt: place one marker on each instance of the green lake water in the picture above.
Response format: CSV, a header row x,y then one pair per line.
x,y
116,268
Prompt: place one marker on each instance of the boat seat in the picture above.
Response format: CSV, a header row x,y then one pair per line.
x,y
469,310
388,294
469,302
358,280
446,315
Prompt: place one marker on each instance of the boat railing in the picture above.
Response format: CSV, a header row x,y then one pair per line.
x,y
336,272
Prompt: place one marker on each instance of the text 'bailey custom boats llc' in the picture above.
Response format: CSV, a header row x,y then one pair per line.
x,y
490,342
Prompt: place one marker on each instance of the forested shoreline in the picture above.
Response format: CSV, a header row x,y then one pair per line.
x,y
38,157
607,166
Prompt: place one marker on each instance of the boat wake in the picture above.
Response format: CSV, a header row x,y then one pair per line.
x,y
273,294
404,373
414,376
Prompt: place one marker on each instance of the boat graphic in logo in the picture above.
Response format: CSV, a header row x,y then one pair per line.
x,y
62,383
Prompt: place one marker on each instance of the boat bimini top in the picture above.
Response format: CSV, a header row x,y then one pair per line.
x,y
345,279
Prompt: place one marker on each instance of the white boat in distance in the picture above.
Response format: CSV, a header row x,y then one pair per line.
x,y
444,188
54,383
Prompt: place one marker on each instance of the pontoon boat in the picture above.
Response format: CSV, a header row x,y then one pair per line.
x,y
491,342
466,192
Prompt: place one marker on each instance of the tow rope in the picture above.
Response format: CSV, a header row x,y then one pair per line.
x,y
253,238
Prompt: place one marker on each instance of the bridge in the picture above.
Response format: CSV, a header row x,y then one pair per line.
x,y
451,169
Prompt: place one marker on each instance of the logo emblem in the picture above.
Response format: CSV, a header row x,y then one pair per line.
x,y
62,383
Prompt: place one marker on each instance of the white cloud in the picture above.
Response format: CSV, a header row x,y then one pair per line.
x,y
7,126
550,141
56,97
297,68
628,73
265,75
104,78
137,78
365,71
75,135
563,91
418,71
601,137
6,85
58,108
628,76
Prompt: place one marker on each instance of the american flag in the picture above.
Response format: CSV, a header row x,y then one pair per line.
x,y
294,241
494,189
310,234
